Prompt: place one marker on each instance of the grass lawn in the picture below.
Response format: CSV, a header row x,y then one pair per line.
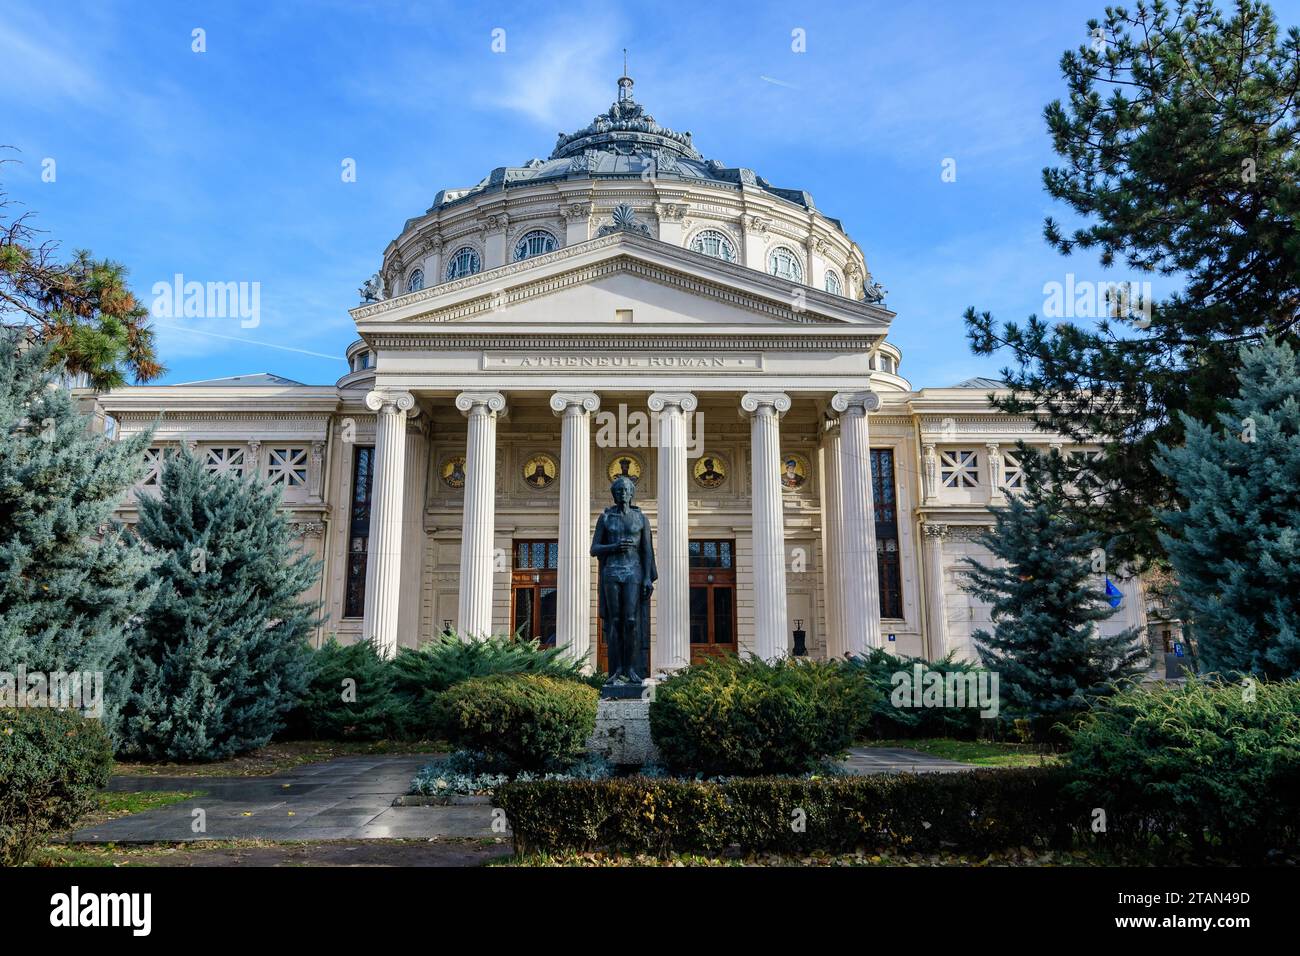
x,y
224,853
280,755
982,753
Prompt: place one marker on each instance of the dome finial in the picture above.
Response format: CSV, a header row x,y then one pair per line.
x,y
624,81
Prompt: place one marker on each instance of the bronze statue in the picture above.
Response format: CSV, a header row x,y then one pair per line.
x,y
627,575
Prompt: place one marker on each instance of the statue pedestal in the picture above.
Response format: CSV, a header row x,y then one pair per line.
x,y
622,734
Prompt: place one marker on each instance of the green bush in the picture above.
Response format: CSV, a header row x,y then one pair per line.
x,y
749,717
420,676
970,812
520,721
351,696
887,722
52,763
1211,769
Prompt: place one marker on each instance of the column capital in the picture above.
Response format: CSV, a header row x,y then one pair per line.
x,y
587,401
492,401
751,402
399,399
865,399
934,529
658,401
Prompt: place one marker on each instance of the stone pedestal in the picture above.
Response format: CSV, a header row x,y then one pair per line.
x,y
622,734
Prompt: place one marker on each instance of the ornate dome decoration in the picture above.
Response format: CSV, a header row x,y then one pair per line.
x,y
625,220
625,128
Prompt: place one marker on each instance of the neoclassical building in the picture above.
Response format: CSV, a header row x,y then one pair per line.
x,y
625,306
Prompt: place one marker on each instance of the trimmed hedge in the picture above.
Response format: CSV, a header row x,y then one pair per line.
x,y
969,812
749,717
1211,769
520,721
52,765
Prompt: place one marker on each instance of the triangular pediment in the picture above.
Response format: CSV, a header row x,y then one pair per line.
x,y
623,280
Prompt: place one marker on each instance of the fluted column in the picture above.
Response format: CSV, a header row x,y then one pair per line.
x,y
573,602
764,410
936,612
861,577
476,543
673,619
384,548
833,541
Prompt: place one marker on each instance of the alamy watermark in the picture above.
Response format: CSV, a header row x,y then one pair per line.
x,y
923,687
1084,299
179,299
61,690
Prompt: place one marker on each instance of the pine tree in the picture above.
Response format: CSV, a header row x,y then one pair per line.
x,y
71,579
221,655
1235,546
1177,138
1047,608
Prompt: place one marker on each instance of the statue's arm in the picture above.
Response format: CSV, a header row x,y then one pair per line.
x,y
648,555
598,546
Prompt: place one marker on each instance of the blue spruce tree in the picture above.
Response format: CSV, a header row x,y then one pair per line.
x,y
1047,606
1235,544
221,655
71,579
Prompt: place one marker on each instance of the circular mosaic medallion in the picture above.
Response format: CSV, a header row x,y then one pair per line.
x,y
540,471
794,472
626,466
453,472
710,471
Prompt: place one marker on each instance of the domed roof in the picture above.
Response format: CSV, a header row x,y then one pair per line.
x,y
624,142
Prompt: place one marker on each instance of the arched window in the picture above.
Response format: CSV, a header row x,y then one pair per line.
x,y
711,242
464,262
534,243
784,264
833,282
416,282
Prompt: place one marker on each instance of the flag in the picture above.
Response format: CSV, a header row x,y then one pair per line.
x,y
1113,594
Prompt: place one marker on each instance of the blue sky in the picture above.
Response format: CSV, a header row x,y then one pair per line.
x,y
225,165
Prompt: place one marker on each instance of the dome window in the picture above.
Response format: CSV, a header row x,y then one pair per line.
x,y
833,282
464,261
416,282
534,243
784,264
710,242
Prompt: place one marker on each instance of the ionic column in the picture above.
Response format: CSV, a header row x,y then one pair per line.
x,y
764,410
673,618
573,600
861,575
833,541
476,543
935,608
384,548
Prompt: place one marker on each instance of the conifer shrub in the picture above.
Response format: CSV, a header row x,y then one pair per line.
x,y
220,656
1208,768
350,696
520,721
52,765
889,722
729,716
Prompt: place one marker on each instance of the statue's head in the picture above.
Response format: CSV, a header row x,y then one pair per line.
x,y
623,489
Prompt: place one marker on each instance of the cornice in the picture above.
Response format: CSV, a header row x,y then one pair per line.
x,y
707,342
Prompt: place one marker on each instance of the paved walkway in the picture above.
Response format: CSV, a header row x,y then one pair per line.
x,y
351,798
867,760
